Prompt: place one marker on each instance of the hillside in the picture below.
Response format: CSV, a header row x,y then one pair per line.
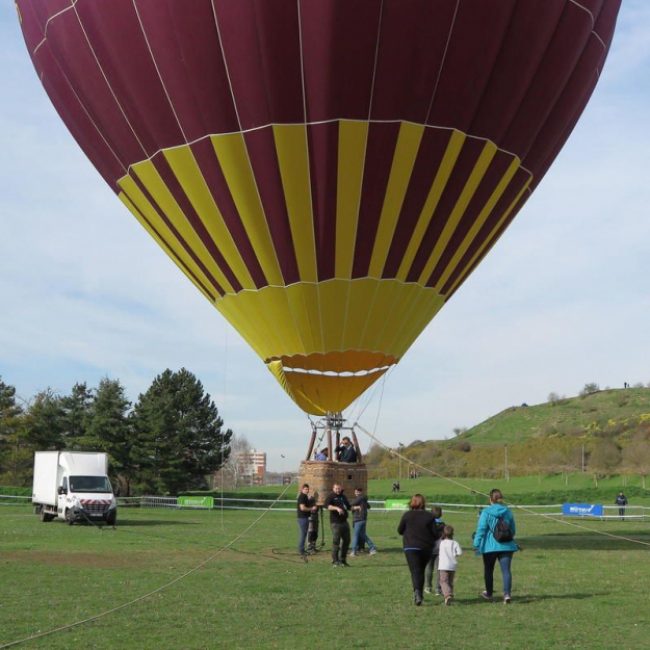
x,y
603,433
606,412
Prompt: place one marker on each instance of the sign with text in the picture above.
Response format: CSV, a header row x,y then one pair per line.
x,y
582,510
396,504
195,502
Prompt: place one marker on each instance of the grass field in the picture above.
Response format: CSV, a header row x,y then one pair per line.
x,y
572,587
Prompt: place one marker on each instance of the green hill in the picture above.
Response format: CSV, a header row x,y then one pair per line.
x,y
602,433
606,412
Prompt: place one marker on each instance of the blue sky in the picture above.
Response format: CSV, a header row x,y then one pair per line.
x,y
563,298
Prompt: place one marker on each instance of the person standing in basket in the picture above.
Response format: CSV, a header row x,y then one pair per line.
x,y
495,525
338,506
418,531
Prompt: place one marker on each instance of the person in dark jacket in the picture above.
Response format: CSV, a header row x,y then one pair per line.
x,y
418,531
621,502
339,506
345,452
493,550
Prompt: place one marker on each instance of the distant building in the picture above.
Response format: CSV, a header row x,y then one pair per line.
x,y
253,467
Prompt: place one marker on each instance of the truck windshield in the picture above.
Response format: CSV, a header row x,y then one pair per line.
x,y
90,484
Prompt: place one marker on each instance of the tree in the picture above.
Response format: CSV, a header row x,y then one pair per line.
x,y
76,413
235,466
10,429
109,430
44,421
589,389
178,432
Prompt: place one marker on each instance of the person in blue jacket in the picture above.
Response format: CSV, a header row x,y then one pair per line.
x,y
485,544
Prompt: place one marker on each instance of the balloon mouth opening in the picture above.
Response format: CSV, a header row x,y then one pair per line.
x,y
350,363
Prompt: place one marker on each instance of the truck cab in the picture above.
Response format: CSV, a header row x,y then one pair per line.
x,y
83,498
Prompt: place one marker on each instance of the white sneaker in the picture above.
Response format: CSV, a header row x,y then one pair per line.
x,y
427,590
372,551
352,554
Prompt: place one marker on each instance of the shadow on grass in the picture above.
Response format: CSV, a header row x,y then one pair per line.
x,y
526,599
623,540
124,523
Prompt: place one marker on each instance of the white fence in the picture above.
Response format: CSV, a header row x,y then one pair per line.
x,y
632,512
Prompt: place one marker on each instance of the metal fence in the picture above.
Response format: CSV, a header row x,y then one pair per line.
x,y
610,512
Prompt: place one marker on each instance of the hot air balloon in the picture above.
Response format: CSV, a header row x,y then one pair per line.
x,y
327,173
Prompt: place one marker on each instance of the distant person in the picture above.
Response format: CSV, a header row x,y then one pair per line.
x,y
490,523
338,506
449,552
432,564
305,505
322,454
621,502
345,452
395,487
360,507
417,528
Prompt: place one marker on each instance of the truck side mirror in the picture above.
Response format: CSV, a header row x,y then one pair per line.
x,y
62,490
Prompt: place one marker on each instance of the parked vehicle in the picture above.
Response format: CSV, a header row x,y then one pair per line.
x,y
73,486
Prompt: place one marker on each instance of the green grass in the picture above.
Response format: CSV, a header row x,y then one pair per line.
x,y
604,408
572,587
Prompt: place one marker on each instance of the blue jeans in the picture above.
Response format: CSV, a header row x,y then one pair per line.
x,y
360,535
489,561
303,524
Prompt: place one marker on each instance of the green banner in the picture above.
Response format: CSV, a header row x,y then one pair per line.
x,y
396,504
195,502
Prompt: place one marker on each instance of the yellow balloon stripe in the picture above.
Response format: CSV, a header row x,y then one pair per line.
x,y
481,166
490,241
233,158
150,178
478,223
447,163
291,147
161,242
406,150
353,137
185,168
142,205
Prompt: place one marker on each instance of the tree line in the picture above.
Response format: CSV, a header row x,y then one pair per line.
x,y
169,441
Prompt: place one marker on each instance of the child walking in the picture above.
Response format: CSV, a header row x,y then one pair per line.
x,y
447,563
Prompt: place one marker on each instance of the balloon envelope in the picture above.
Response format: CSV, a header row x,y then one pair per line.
x,y
327,173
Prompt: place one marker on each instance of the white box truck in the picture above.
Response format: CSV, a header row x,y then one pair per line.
x,y
73,486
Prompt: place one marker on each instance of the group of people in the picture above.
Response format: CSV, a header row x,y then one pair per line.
x,y
339,507
344,453
428,543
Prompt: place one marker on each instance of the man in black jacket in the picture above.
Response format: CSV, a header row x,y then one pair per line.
x,y
338,506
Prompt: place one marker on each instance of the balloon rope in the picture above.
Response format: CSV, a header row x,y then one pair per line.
x,y
177,579
518,507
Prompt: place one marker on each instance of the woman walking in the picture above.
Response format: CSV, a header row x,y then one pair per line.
x,y
494,539
418,529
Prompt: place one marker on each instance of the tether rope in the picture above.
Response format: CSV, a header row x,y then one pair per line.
x,y
40,635
475,491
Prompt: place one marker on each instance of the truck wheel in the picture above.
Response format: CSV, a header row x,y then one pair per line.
x,y
69,517
111,518
45,516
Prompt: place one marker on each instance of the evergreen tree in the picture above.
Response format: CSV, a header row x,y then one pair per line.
x,y
76,412
12,456
178,433
109,429
44,422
